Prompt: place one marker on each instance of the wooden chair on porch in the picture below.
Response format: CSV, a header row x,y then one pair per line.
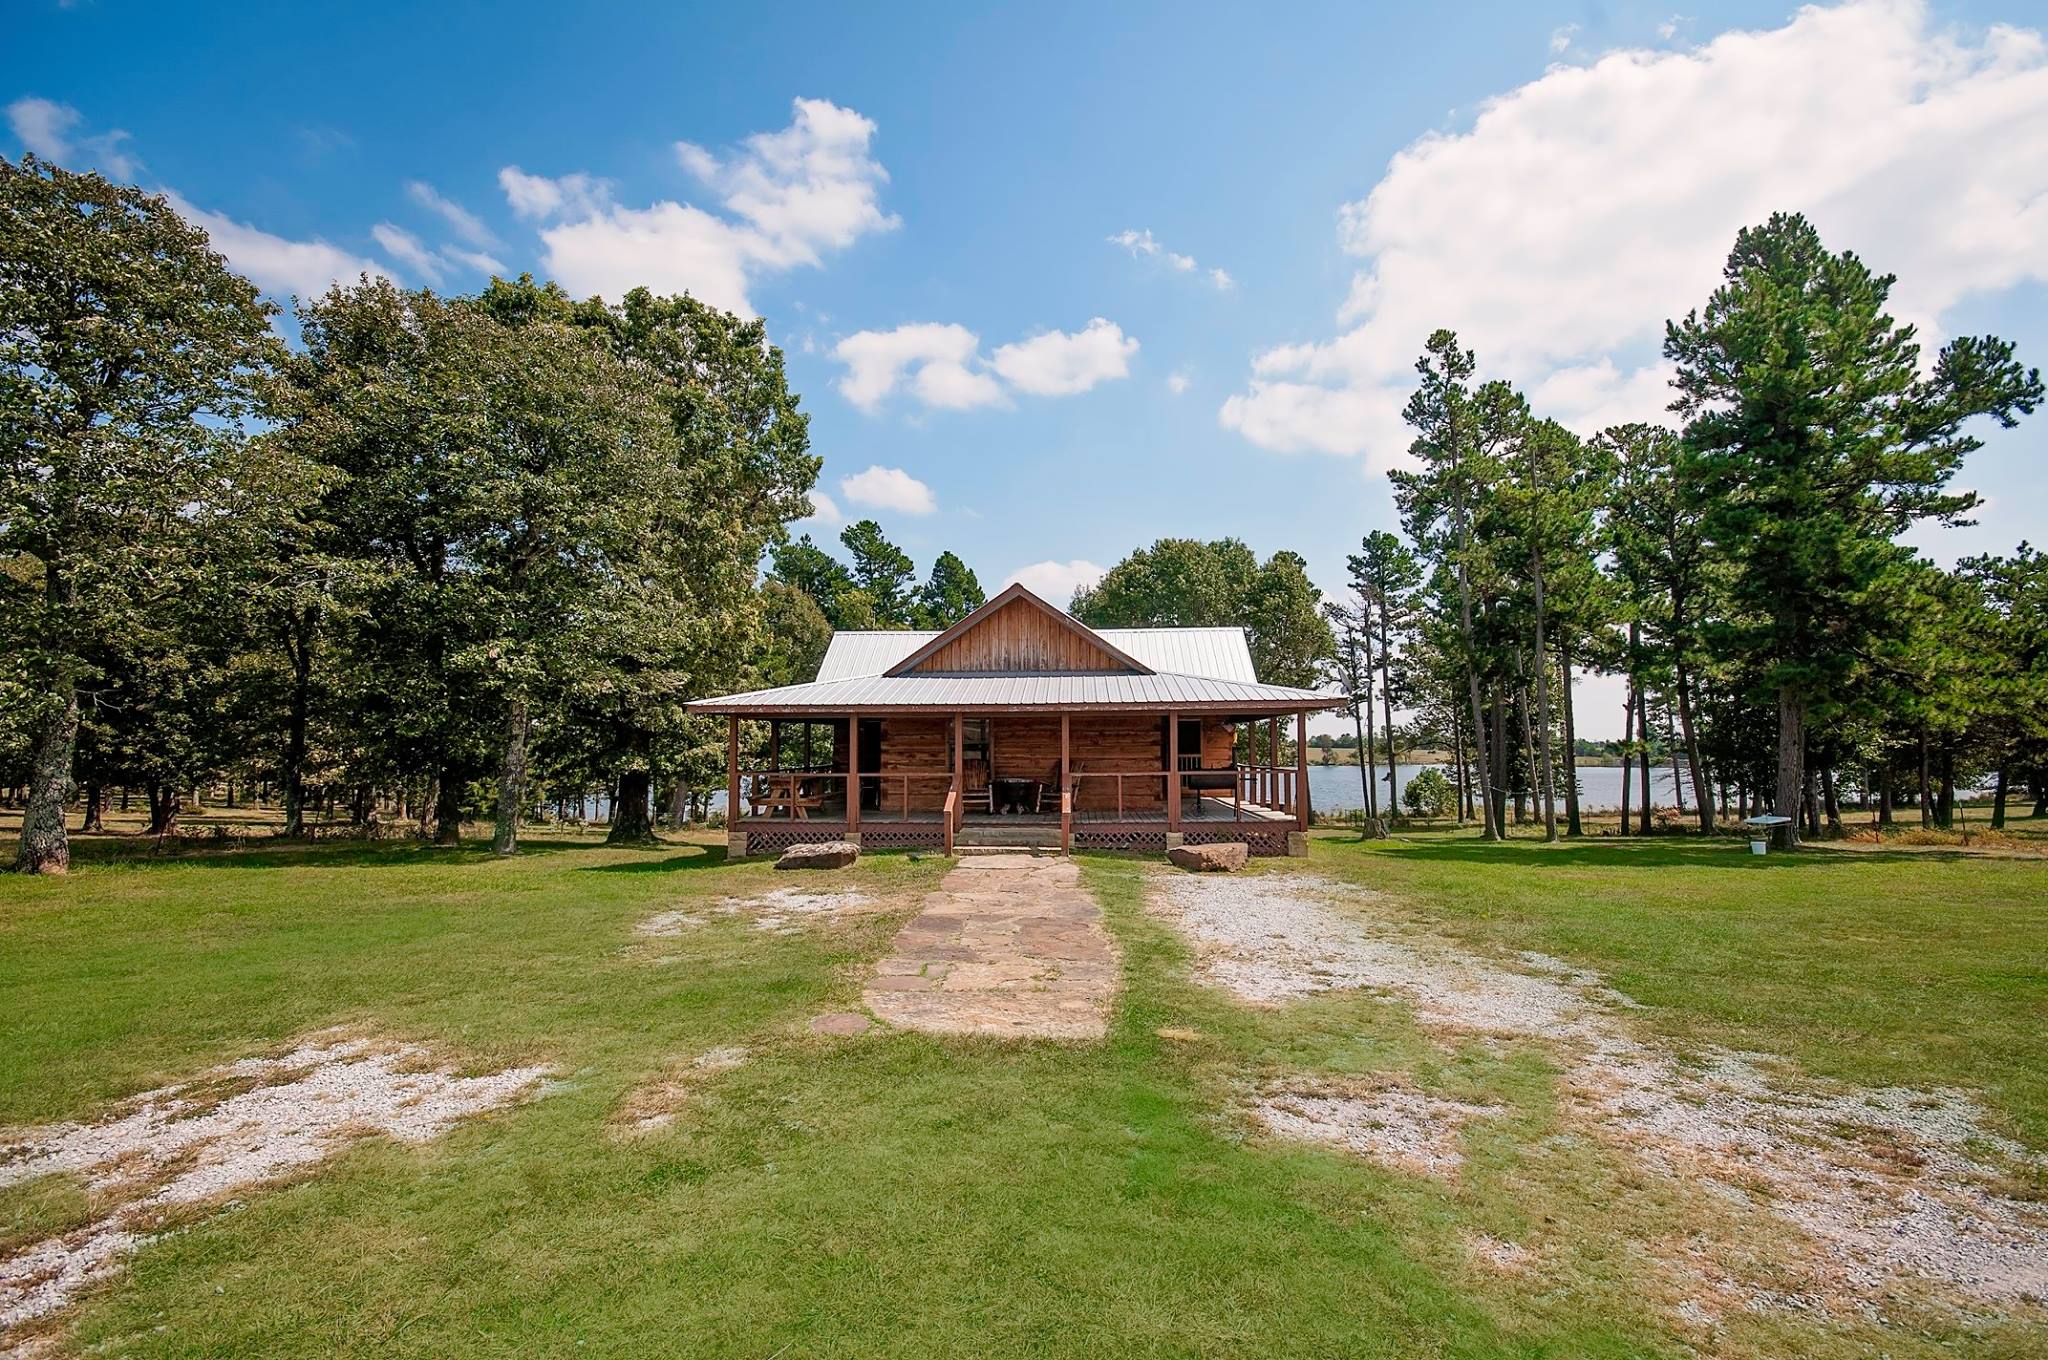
x,y
1049,790
979,795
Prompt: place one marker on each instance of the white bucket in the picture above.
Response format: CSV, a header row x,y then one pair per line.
x,y
1758,847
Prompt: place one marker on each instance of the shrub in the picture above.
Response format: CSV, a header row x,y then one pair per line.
x,y
1430,794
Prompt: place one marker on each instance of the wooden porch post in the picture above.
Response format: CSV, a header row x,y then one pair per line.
x,y
1173,766
775,743
1273,761
1066,785
732,774
959,772
1301,768
852,773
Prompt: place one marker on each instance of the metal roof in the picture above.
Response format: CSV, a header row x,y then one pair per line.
x,y
1212,653
1080,689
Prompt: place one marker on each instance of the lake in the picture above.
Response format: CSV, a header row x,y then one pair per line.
x,y
1335,788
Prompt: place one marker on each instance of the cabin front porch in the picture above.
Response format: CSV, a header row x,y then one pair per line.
x,y
1087,779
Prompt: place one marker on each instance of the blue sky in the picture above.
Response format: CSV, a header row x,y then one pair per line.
x,y
988,241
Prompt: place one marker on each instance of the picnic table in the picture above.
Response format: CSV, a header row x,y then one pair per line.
x,y
784,793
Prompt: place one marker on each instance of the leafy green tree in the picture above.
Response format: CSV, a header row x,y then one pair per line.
x,y
2015,729
1812,439
951,593
1457,437
1350,669
804,566
1429,794
1385,576
883,573
794,636
129,361
1182,583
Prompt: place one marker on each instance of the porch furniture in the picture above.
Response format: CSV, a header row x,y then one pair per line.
x,y
977,795
1198,781
784,793
1015,795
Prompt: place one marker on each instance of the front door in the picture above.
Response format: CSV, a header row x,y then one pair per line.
x,y
869,746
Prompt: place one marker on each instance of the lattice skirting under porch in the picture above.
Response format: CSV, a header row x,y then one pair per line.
x,y
773,840
915,837
1258,840
1120,838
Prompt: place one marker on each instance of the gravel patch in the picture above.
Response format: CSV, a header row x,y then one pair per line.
x,y
1887,1183
205,1141
1403,1129
778,911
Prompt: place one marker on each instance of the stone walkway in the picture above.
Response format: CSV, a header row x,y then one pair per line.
x,y
1007,944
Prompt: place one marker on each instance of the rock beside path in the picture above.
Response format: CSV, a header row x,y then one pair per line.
x,y
822,855
1210,859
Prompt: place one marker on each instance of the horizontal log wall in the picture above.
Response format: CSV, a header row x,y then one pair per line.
x,y
916,744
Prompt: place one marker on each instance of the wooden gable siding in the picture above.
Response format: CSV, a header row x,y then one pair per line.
x,y
1019,637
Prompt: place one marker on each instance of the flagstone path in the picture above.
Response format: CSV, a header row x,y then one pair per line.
x,y
1008,945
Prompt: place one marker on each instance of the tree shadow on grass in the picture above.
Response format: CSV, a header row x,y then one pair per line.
x,y
1651,852
673,858
138,852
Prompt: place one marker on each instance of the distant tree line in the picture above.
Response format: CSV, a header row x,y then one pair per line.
x,y
1744,571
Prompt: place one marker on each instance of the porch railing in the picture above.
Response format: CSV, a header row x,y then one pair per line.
x,y
784,792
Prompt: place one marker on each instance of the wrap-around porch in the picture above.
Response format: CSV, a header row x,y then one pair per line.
x,y
1109,778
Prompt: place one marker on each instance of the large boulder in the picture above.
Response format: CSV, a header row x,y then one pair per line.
x,y
1210,859
822,855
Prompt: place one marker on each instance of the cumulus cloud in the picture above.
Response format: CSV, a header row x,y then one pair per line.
x,y
50,130
1176,383
788,198
1056,364
1144,245
1056,582
1583,209
888,489
461,220
274,263
940,364
931,358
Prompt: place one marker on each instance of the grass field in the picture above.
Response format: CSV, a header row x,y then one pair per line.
x,y
895,1194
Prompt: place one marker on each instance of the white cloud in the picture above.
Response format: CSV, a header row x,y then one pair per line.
x,y
1056,364
934,357
461,220
49,130
1561,39
538,198
481,261
940,364
404,247
1056,582
1176,383
889,489
274,263
1583,209
789,197
1144,245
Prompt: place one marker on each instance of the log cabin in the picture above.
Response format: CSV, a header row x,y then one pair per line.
x,y
1021,726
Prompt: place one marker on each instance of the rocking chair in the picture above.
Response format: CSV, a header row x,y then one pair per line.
x,y
979,795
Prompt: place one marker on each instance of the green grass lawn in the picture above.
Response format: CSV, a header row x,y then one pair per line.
x,y
900,1195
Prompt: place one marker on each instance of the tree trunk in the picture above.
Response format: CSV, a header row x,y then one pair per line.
x,y
1701,793
1364,781
1458,764
95,808
1498,738
1998,799
1884,791
1369,772
1926,788
1830,804
1945,817
448,806
45,848
630,823
1543,721
1628,746
296,721
1572,826
511,780
1677,775
1643,759
1791,752
163,808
